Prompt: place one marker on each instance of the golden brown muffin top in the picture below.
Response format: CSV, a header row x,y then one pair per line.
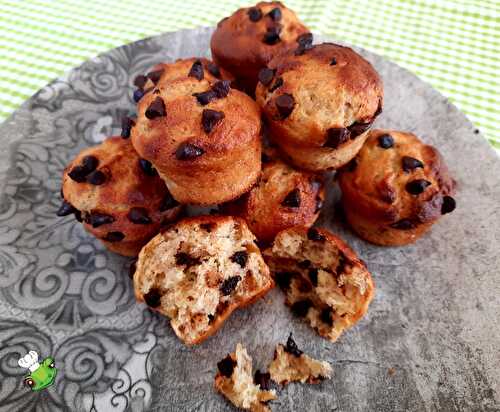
x,y
320,94
114,190
249,38
188,120
398,179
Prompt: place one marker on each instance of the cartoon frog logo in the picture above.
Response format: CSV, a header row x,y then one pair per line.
x,y
42,375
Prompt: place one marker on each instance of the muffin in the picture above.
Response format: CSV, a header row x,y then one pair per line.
x,y
324,281
319,104
198,271
247,40
283,197
234,380
163,73
118,196
290,364
202,137
395,189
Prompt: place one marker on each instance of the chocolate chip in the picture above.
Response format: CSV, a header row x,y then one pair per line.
x,y
90,163
319,204
96,219
283,279
305,43
254,14
156,109
266,76
275,14
127,124
221,88
147,167
336,136
292,348
155,76
213,69
78,174
403,224
265,158
184,259
139,216
196,70
226,366
410,163
140,81
272,36
96,178
138,95
326,316
313,276
210,318
210,118
417,186
240,258
168,202
153,298
385,141
208,227
229,285
448,205
304,264
67,209
278,83
78,216
204,98
188,151
301,308
132,268
292,199
357,129
285,104
333,62
263,380
313,234
114,237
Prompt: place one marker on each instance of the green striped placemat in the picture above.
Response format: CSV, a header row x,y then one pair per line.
x,y
454,45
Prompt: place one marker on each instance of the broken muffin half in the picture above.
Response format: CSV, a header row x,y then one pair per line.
x,y
198,271
324,281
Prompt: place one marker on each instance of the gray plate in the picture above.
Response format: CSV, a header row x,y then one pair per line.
x,y
429,342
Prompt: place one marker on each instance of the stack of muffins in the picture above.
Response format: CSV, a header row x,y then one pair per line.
x,y
197,139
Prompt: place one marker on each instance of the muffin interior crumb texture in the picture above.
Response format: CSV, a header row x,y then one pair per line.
x,y
322,285
235,381
198,271
291,364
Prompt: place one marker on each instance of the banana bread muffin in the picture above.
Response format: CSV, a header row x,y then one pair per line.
x,y
323,279
290,364
234,381
117,196
320,104
198,271
203,138
282,198
395,189
246,41
163,73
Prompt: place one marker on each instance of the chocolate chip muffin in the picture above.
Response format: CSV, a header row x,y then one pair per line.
x,y
282,198
118,196
163,73
290,364
395,189
323,279
247,40
234,381
198,271
202,137
319,104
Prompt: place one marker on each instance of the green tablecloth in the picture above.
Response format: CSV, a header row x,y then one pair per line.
x,y
454,45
